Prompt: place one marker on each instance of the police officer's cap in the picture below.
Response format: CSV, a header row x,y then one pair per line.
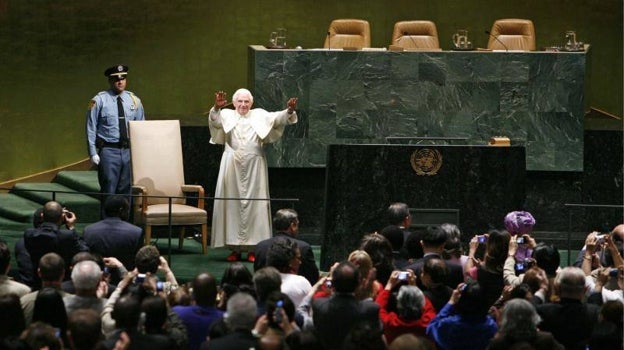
x,y
119,71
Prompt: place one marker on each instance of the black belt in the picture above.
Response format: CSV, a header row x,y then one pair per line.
x,y
115,144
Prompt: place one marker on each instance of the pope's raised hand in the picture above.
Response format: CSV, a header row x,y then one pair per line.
x,y
220,99
292,104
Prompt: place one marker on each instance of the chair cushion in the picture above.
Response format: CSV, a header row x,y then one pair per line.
x,y
348,33
158,215
415,34
516,34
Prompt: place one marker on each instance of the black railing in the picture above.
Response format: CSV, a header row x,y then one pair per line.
x,y
134,206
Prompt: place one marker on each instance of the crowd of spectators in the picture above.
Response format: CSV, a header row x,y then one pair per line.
x,y
506,290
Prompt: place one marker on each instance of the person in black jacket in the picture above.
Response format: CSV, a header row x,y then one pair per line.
x,y
286,224
49,237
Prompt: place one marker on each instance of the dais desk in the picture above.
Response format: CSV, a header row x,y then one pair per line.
x,y
534,98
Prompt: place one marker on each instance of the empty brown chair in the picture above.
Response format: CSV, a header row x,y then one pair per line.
x,y
415,35
348,33
512,34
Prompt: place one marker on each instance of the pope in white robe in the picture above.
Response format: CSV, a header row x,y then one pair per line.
x,y
241,214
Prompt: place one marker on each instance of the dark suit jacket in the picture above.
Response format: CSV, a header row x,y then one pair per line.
x,y
570,321
140,341
439,296
335,316
308,268
238,340
455,272
49,238
116,238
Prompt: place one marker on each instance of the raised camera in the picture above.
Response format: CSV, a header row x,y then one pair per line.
x,y
613,272
482,238
140,278
520,240
328,283
403,275
600,239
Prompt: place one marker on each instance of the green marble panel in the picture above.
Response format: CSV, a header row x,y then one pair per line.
x,y
535,98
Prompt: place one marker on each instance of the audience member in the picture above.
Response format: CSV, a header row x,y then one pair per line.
x,y
50,309
25,269
489,272
266,281
84,329
286,224
370,286
453,250
12,322
380,251
519,326
433,241
398,215
607,334
364,336
236,278
51,271
519,224
285,256
277,323
7,285
49,237
87,278
433,276
199,316
408,341
335,316
463,323
394,235
40,335
414,310
571,320
107,287
113,236
599,257
156,322
240,319
600,279
126,313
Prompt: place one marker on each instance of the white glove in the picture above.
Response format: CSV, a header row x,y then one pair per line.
x,y
95,159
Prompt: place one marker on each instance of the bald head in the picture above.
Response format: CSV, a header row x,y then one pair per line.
x,y
53,212
205,289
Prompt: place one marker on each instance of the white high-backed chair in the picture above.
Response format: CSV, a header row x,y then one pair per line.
x,y
157,170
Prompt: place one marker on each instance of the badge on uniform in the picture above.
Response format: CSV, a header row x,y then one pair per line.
x,y
91,104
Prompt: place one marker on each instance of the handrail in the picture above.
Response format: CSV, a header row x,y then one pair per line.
x,y
169,200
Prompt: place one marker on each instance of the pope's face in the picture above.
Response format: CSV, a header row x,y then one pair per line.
x,y
242,103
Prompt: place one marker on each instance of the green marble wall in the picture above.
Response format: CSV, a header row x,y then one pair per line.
x,y
534,98
179,52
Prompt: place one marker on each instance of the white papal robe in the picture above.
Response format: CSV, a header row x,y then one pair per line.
x,y
243,174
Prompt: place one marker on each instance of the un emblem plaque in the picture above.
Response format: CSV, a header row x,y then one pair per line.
x,y
426,161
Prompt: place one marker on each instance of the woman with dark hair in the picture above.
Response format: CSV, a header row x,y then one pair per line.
x,y
12,322
50,308
519,326
380,251
284,255
236,278
489,272
464,323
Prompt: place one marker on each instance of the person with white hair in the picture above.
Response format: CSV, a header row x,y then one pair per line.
x,y
87,277
519,322
242,211
240,319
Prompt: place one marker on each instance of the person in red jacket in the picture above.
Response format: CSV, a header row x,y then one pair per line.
x,y
414,310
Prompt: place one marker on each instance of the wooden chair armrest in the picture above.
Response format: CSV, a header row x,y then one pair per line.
x,y
141,193
196,189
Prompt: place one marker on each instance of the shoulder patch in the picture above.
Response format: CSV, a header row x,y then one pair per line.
x,y
91,104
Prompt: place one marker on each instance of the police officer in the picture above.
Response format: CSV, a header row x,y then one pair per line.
x,y
107,132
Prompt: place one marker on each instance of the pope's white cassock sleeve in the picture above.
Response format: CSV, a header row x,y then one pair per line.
x,y
243,174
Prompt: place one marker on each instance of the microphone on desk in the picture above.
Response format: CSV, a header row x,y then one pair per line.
x,y
328,40
497,39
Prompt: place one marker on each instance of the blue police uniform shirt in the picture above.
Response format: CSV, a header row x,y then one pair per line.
x,y
102,116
